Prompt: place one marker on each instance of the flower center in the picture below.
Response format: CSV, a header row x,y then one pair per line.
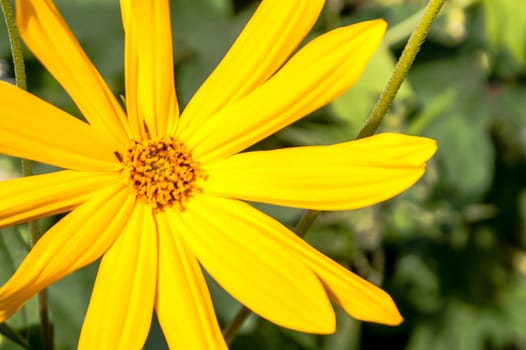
x,y
161,172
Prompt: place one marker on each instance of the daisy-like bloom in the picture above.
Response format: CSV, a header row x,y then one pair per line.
x,y
160,195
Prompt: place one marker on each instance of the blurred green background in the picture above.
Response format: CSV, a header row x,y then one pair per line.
x,y
451,251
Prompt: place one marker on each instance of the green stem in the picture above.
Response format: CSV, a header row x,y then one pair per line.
x,y
16,45
231,329
375,118
14,336
21,82
402,67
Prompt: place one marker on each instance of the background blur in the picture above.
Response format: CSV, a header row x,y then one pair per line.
x,y
451,251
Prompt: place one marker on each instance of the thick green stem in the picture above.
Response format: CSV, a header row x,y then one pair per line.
x,y
402,67
375,118
21,82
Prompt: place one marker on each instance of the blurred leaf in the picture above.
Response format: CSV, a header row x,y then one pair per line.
x,y
460,326
347,336
103,43
68,300
515,305
434,109
455,113
203,32
14,246
508,107
401,31
447,264
303,340
9,167
419,282
337,234
313,131
506,26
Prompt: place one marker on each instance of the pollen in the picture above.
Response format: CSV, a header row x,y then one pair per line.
x,y
161,172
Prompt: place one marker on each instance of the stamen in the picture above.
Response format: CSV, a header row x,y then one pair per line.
x,y
162,172
118,156
146,129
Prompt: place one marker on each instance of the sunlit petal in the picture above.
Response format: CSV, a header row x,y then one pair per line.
x,y
150,91
49,38
184,307
29,198
313,77
338,177
254,268
273,32
121,305
32,128
359,298
75,241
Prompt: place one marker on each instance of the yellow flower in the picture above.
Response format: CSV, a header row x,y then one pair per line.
x,y
159,194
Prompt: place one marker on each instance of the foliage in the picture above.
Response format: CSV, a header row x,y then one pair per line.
x,y
451,250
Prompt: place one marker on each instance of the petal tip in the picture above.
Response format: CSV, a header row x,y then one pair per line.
x,y
427,149
325,321
391,315
380,23
374,27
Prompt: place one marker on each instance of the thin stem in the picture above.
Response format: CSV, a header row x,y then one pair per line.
x,y
21,82
306,222
14,336
402,67
46,329
375,118
16,45
231,329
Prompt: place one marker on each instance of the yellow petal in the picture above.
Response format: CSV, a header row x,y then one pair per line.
x,y
318,73
359,298
411,150
49,38
254,268
184,307
338,177
75,241
150,91
271,35
32,128
121,305
28,198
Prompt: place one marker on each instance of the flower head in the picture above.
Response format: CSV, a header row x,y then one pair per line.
x,y
158,194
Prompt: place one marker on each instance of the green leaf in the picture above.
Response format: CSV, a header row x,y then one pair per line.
x,y
14,245
347,336
460,326
455,112
506,26
68,301
203,31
